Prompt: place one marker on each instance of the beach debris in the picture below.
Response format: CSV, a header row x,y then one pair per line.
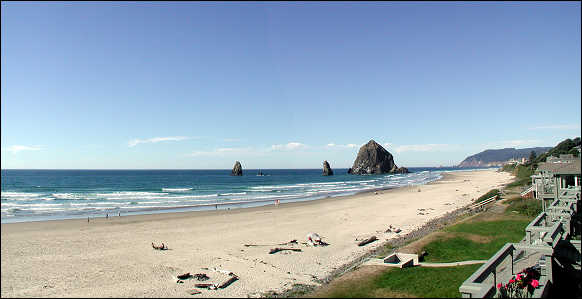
x,y
201,276
397,230
294,241
184,276
213,286
159,247
367,241
179,281
388,230
232,279
275,250
314,239
210,286
194,292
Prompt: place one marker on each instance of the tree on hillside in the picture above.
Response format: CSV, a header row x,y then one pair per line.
x,y
532,157
564,147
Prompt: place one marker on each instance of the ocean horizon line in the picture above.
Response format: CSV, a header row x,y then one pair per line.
x,y
133,169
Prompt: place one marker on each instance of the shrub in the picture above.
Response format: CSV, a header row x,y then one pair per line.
x,y
527,207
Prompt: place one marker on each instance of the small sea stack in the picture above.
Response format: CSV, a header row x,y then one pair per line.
x,y
237,169
327,169
374,159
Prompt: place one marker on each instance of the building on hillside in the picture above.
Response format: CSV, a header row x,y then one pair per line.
x,y
563,171
551,246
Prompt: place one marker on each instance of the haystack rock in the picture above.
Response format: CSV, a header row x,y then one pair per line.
x,y
237,169
327,169
374,159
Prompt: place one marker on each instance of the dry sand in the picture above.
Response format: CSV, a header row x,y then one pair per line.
x,y
114,258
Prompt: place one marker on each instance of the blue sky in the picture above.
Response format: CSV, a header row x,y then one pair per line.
x,y
198,85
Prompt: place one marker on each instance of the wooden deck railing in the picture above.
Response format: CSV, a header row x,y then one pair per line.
x,y
484,202
526,191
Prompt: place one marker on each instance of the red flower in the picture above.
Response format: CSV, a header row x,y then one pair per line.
x,y
519,276
535,283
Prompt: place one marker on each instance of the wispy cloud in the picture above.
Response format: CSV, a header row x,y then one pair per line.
x,y
136,141
291,146
19,148
333,145
557,127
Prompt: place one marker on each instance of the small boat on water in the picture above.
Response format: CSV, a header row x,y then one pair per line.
x,y
260,173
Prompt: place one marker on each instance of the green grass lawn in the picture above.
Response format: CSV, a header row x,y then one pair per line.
x,y
513,229
427,282
462,248
408,282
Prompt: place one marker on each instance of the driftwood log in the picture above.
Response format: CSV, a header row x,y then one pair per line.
x,y
367,241
232,279
205,285
184,276
201,276
275,250
294,241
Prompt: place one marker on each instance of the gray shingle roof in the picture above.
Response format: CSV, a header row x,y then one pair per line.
x,y
570,167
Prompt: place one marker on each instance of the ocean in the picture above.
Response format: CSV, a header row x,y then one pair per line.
x,y
35,195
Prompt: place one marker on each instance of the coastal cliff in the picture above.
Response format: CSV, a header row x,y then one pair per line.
x,y
498,157
374,159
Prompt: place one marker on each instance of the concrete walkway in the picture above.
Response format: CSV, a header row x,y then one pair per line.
x,y
380,262
452,264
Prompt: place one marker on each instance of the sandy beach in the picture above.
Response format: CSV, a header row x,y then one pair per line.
x,y
114,257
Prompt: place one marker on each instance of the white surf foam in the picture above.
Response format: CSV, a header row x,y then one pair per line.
x,y
176,189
